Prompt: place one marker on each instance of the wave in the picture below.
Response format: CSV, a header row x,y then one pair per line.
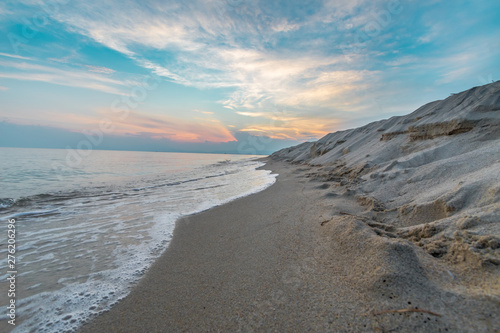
x,y
182,181
6,202
34,213
166,184
207,187
48,199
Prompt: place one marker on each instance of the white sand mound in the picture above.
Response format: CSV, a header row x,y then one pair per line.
x,y
432,175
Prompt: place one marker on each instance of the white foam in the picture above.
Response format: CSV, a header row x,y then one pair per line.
x,y
97,261
23,214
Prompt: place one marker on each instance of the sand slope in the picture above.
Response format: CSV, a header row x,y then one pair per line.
x,y
427,181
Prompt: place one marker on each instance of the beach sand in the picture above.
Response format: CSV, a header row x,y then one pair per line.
x,y
304,255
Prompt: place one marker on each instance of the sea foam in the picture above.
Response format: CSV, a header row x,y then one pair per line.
x,y
81,251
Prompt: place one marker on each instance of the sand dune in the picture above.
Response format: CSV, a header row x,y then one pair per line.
x,y
429,184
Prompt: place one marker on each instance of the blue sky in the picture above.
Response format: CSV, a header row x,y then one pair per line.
x,y
216,71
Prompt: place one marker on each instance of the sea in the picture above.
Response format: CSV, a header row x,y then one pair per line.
x,y
87,228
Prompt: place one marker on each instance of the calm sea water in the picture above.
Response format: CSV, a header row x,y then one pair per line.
x,y
87,229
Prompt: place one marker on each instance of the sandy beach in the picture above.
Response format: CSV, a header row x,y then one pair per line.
x,y
390,227
303,255
250,166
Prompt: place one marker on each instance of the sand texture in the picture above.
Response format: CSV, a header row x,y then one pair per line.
x,y
301,256
391,227
432,177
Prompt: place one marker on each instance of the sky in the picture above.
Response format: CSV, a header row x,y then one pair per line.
x,y
235,76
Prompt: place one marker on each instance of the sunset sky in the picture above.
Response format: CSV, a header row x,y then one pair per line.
x,y
199,73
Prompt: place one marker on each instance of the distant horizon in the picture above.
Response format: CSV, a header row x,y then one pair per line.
x,y
34,136
138,151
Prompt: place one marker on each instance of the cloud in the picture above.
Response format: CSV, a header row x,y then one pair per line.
x,y
3,88
160,70
285,124
139,123
404,60
461,64
284,26
215,45
323,61
14,56
257,74
204,112
251,114
331,89
28,71
98,69
468,59
4,12
168,127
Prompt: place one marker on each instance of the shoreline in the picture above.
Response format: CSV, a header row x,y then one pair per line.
x,y
297,256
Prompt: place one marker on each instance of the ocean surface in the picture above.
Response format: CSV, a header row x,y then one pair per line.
x,y
89,227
